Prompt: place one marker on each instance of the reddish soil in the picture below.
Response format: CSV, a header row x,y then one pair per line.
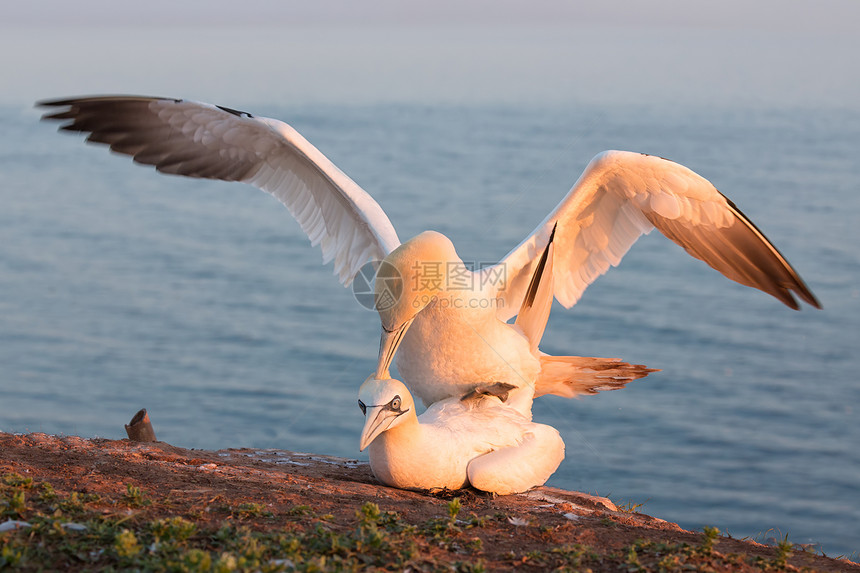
x,y
191,482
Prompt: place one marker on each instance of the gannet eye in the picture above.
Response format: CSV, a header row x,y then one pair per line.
x,y
395,403
363,407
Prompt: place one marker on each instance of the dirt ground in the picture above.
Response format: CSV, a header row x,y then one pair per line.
x,y
192,482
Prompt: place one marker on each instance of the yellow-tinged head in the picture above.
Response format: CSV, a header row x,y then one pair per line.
x,y
409,279
384,403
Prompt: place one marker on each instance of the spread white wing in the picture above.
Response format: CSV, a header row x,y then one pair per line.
x,y
622,195
202,140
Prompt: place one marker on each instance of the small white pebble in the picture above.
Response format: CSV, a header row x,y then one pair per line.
x,y
518,521
12,524
208,467
75,526
572,516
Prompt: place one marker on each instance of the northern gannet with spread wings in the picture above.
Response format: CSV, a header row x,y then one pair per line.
x,y
452,321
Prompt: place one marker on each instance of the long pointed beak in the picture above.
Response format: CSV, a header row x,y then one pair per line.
x,y
388,343
378,420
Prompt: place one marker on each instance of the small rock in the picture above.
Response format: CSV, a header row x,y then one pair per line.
x,y
12,525
75,442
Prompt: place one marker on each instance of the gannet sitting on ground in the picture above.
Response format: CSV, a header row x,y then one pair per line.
x,y
452,321
477,440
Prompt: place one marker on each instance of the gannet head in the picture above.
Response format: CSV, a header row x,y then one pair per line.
x,y
384,403
420,265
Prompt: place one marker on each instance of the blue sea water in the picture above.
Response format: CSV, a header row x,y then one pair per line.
x,y
202,301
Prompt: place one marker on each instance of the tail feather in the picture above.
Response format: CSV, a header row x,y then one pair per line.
x,y
571,376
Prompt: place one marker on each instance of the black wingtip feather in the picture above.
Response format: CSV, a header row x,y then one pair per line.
x,y
531,293
795,285
235,112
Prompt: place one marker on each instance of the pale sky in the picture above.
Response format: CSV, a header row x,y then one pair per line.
x,y
769,52
821,15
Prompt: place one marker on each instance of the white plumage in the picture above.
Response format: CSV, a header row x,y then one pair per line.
x,y
621,196
454,339
478,441
202,140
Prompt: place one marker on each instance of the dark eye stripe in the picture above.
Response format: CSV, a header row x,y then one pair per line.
x,y
390,406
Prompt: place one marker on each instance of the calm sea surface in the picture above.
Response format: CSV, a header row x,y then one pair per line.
x,y
202,301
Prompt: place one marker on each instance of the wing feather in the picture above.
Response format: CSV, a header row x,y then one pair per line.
x,y
621,196
201,140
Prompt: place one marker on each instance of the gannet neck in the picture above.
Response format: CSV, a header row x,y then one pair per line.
x,y
411,278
